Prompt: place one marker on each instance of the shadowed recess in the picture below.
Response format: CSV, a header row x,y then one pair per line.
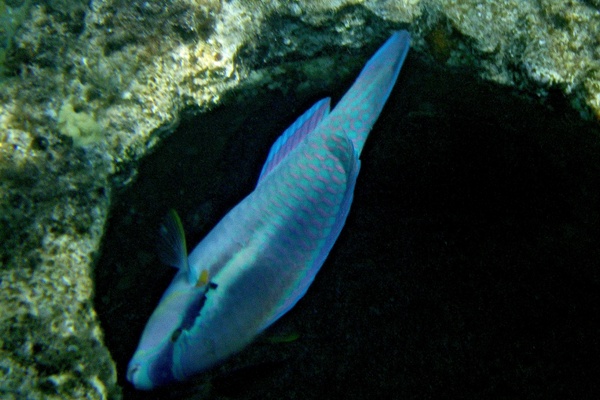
x,y
467,266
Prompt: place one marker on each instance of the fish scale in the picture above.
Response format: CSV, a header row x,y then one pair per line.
x,y
296,231
260,259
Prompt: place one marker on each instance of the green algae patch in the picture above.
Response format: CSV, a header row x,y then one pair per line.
x,y
81,126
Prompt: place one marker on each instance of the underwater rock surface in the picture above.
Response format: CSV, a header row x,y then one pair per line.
x,y
86,92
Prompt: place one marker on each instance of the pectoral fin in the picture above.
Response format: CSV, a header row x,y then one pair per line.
x,y
171,246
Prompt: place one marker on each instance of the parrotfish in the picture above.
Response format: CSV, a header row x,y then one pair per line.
x,y
260,259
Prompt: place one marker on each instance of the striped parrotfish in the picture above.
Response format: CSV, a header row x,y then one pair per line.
x,y
260,259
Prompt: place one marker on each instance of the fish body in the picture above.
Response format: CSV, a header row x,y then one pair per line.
x,y
260,259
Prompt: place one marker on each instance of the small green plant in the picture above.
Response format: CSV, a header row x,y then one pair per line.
x,y
81,126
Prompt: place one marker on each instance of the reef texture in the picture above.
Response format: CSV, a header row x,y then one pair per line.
x,y
540,46
87,90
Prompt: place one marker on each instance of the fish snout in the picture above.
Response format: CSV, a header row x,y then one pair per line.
x,y
137,375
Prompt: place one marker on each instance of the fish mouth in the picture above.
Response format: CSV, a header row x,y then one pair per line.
x,y
138,377
131,372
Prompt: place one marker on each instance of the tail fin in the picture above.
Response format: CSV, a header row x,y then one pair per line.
x,y
360,107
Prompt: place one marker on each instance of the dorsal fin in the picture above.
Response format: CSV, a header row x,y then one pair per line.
x,y
171,246
293,135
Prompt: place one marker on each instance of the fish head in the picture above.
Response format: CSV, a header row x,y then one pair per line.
x,y
151,365
152,362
